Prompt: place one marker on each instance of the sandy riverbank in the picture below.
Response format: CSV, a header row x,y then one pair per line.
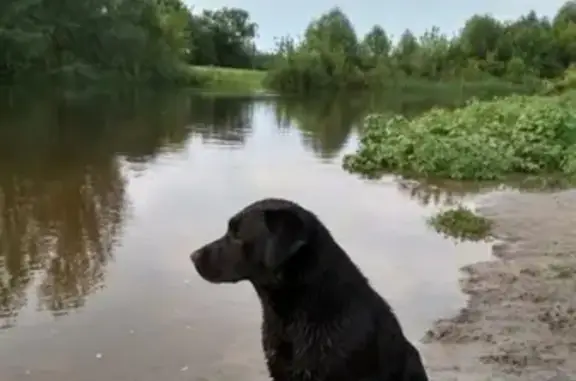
x,y
520,321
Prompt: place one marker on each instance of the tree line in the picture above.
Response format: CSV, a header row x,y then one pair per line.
x,y
331,55
140,40
149,40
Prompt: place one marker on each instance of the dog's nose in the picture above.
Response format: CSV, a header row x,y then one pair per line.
x,y
194,256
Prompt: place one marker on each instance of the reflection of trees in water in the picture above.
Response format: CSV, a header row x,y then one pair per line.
x,y
62,223
326,122
62,195
139,126
152,125
438,193
227,119
85,214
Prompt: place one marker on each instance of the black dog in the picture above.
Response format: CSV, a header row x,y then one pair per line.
x,y
322,319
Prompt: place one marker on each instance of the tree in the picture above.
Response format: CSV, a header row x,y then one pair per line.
x,y
376,47
223,38
564,26
405,52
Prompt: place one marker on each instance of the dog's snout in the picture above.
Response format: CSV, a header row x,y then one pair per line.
x,y
194,256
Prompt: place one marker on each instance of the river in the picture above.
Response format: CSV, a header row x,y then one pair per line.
x,y
103,199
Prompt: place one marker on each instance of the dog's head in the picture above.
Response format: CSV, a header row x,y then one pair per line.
x,y
260,239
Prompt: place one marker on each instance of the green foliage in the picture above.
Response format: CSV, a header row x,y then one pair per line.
x,y
331,56
223,38
462,224
155,40
106,40
483,140
326,58
83,39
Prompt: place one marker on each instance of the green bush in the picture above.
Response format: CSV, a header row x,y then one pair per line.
x,y
482,141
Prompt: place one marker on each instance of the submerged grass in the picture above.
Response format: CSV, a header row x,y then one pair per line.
x,y
484,140
461,223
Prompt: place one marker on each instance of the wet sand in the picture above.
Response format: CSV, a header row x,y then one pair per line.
x,y
520,319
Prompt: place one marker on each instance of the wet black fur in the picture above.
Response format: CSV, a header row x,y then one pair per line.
x,y
322,321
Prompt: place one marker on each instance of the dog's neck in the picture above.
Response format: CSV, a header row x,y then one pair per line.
x,y
309,277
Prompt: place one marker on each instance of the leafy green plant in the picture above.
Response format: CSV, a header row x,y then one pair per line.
x,y
485,140
461,223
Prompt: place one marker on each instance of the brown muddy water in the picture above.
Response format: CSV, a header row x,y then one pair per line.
x,y
102,200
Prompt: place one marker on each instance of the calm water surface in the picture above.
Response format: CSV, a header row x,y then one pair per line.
x,y
102,200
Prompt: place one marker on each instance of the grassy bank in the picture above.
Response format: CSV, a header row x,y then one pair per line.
x,y
447,93
483,140
215,78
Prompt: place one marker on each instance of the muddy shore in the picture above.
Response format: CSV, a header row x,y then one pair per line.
x,y
520,319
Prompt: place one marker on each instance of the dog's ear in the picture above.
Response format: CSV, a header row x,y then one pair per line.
x,y
287,235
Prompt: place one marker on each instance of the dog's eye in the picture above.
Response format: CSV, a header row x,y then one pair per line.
x,y
233,229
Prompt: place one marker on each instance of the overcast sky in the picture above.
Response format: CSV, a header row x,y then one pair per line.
x,y
280,18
